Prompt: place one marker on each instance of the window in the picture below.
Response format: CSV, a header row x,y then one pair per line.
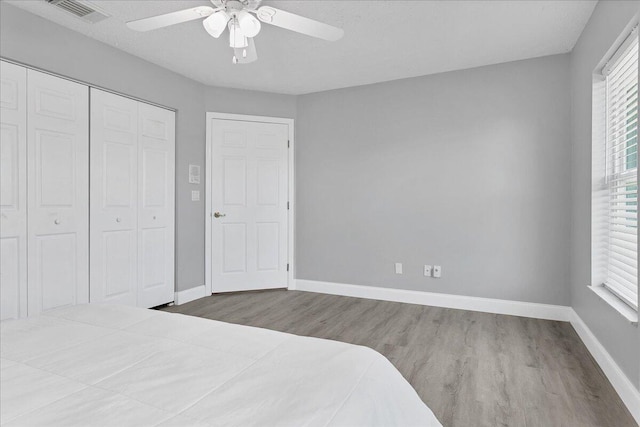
x,y
615,198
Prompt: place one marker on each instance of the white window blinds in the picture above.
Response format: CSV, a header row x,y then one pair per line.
x,y
621,171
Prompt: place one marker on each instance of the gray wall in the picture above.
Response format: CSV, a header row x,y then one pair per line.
x,y
224,100
621,339
469,170
35,41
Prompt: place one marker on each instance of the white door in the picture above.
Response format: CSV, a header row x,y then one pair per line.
x,y
114,199
13,191
249,169
58,192
156,188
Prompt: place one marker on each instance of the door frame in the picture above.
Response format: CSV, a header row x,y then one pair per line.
x,y
291,192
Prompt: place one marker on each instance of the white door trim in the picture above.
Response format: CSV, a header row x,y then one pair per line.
x,y
208,187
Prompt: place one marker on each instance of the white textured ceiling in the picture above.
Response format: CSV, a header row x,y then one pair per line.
x,y
384,40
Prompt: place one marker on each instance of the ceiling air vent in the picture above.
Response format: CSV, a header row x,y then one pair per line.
x,y
81,9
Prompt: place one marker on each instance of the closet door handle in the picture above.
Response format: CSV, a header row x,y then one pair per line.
x,y
118,219
56,221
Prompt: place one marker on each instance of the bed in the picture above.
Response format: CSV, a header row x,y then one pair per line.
x,y
116,366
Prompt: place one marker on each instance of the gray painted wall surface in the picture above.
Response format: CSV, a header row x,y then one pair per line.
x,y
468,170
35,41
224,100
621,339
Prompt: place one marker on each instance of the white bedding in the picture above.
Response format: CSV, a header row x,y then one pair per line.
x,y
116,366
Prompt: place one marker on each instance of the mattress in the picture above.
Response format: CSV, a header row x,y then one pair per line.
x,y
107,365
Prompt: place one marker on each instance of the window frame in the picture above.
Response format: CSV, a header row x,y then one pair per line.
x,y
610,172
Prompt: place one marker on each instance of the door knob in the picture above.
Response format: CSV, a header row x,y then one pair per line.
x,y
218,214
56,222
118,219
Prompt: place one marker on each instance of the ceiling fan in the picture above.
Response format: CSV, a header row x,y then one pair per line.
x,y
238,16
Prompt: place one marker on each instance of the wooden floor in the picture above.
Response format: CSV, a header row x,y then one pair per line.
x,y
471,369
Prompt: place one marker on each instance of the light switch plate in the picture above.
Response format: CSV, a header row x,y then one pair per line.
x,y
195,196
398,268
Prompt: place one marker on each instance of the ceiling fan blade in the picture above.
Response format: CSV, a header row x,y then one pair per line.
x,y
251,53
300,24
160,21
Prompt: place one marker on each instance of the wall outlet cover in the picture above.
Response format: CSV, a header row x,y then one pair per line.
x,y
437,271
398,268
195,196
427,270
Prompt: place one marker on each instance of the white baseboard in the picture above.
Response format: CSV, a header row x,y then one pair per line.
x,y
623,386
486,305
183,297
629,394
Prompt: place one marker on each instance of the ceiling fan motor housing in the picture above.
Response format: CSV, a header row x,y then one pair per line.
x,y
237,5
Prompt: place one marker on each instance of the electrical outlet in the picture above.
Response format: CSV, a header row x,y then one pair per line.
x,y
437,271
398,268
427,270
195,195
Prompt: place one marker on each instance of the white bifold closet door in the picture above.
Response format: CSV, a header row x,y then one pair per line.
x,y
13,191
114,191
58,192
156,205
132,201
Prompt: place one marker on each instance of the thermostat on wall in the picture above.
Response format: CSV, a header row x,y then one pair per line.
x,y
194,174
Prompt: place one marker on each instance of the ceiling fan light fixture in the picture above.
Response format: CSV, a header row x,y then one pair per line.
x,y
216,23
249,25
237,39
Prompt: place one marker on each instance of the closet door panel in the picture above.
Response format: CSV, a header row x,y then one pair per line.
x,y
156,151
58,192
56,255
13,191
114,189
